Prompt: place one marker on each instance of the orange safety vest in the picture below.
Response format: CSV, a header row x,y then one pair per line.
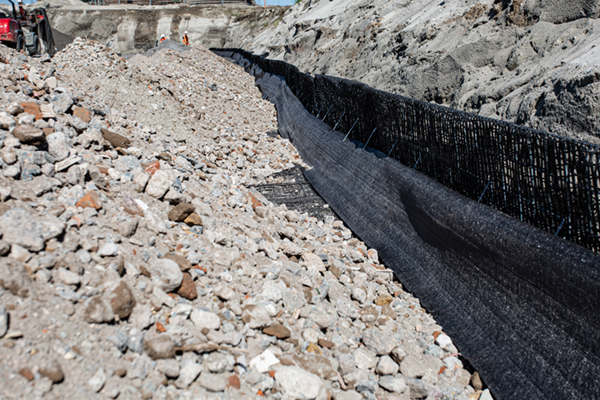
x,y
162,39
186,40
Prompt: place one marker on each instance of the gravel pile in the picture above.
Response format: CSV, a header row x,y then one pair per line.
x,y
136,264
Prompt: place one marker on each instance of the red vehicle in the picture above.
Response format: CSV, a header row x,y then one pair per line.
x,y
27,30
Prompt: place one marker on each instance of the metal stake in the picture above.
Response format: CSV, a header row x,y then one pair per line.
x,y
482,193
336,124
327,113
319,113
370,138
392,149
350,129
560,227
418,159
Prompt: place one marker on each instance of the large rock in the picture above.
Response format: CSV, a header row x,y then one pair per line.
x,y
158,184
28,134
18,227
14,277
297,383
166,274
159,347
98,310
205,319
58,147
121,300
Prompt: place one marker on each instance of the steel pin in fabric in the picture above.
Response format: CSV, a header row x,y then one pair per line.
x,y
350,129
327,113
392,149
560,227
320,109
418,159
368,140
336,124
482,193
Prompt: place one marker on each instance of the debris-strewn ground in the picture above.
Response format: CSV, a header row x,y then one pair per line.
x,y
135,263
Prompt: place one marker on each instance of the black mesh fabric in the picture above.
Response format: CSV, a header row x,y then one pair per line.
x,y
549,181
522,305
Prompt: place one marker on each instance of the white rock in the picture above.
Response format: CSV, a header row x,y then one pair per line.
x,y
166,274
298,383
365,360
3,320
97,381
386,366
310,335
313,262
58,146
68,277
204,319
444,341
108,250
486,395
393,384
158,184
263,361
188,374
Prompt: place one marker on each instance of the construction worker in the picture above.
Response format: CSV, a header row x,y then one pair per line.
x,y
186,39
162,38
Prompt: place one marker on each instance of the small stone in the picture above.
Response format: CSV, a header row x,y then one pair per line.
x,y
392,384
325,343
14,109
183,262
83,114
166,274
212,382
7,122
359,295
96,382
379,341
475,380
67,277
58,146
384,300
128,228
98,310
27,374
47,111
152,167
32,108
310,335
386,366
234,382
28,134
168,367
18,227
180,212
256,317
364,359
412,368
115,139
444,341
298,383
4,248
91,200
277,330
224,292
313,262
158,184
108,250
43,385
188,374
264,361
53,371
122,300
193,220
205,319
347,395
160,347
3,320
486,395
187,290
398,354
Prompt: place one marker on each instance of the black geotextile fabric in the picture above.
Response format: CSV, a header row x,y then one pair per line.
x,y
522,305
549,181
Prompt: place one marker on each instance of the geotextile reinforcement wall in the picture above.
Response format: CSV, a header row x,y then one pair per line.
x,y
522,305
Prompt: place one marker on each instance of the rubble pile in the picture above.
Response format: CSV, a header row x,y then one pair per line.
x,y
135,263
